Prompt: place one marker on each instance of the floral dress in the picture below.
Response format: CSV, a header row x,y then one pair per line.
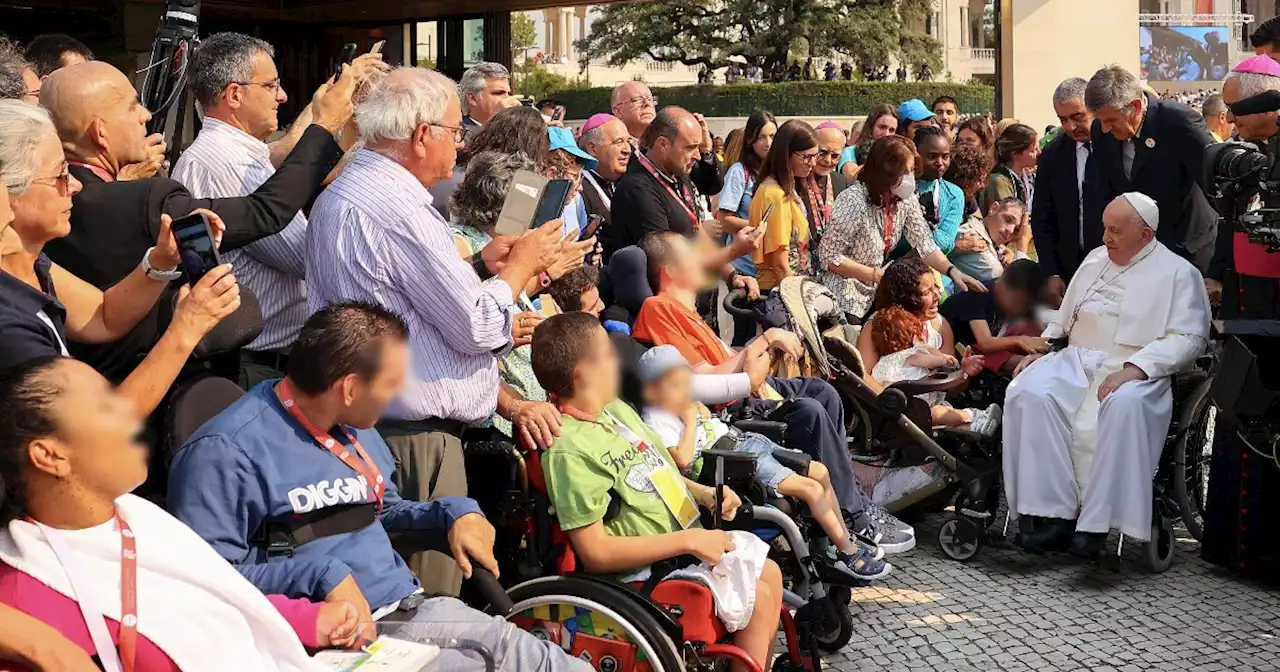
x,y
866,234
516,367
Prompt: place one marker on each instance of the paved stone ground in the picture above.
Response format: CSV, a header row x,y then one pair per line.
x,y
1007,610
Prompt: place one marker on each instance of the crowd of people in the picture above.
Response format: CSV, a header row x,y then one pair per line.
x,y
376,320
754,72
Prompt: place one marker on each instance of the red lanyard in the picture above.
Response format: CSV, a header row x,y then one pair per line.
x,y
363,466
821,206
889,242
104,175
685,197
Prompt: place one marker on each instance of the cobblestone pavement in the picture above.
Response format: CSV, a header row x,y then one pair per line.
x,y
1007,610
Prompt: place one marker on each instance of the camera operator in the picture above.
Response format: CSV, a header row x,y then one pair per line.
x,y
1250,274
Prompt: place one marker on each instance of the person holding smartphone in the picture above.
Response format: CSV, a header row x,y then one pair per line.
x,y
43,306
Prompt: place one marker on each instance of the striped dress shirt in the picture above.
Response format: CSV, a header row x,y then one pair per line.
x,y
375,236
226,162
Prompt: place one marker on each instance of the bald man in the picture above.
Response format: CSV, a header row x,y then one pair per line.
x,y
1084,426
102,125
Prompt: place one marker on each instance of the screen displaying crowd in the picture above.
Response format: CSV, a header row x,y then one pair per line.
x,y
1184,53
272,428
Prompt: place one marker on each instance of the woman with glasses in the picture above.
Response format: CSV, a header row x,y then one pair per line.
x,y
784,251
43,307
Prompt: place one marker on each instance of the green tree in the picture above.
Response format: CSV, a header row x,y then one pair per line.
x,y
708,32
524,35
537,82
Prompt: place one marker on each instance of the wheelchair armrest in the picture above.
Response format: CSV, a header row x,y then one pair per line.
x,y
794,460
484,580
939,381
739,468
770,429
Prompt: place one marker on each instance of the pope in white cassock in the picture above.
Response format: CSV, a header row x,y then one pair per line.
x,y
1084,426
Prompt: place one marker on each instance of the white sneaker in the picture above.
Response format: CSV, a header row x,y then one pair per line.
x,y
985,421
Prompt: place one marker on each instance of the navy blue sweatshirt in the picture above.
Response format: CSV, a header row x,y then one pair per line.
x,y
254,462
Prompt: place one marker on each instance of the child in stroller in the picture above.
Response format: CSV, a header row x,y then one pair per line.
x,y
687,428
901,334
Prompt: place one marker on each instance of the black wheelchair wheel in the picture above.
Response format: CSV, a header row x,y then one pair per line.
x,y
829,622
961,538
610,611
1190,474
1159,551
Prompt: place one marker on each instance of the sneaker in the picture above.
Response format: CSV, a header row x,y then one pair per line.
x,y
985,421
894,535
863,565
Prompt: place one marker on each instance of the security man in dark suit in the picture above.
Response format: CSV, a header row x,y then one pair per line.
x,y
1156,147
102,125
1065,222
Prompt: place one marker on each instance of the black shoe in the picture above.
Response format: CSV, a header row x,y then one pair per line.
x,y
1049,535
1087,545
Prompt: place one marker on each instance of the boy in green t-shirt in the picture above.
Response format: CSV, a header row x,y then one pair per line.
x,y
605,448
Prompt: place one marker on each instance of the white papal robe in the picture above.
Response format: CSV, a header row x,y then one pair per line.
x,y
1065,454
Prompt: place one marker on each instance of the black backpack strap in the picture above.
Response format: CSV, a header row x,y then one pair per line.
x,y
283,537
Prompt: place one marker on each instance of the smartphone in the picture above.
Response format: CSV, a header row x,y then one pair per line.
x,y
196,247
348,55
377,47
593,223
551,205
558,113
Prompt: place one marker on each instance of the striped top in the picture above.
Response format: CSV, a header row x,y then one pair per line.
x,y
226,162
374,236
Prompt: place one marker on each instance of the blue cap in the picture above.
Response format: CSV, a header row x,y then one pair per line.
x,y
914,110
655,363
562,138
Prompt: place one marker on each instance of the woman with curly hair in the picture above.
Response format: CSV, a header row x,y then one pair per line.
x,y
976,132
969,169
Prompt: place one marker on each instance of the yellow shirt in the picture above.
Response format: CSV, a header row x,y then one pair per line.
x,y
787,229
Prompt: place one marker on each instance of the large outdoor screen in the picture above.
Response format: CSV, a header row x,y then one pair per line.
x,y
1183,53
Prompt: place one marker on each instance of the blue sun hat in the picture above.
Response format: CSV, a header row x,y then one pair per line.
x,y
562,138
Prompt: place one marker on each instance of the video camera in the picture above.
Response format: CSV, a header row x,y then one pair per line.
x,y
1238,172
164,84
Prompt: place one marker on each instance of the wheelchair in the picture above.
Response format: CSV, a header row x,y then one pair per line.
x,y
662,624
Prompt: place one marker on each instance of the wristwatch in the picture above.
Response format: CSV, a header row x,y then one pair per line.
x,y
157,274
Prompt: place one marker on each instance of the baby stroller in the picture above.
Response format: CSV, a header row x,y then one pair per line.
x,y
904,462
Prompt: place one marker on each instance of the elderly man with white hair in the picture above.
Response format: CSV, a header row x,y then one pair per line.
x,y
374,236
1084,426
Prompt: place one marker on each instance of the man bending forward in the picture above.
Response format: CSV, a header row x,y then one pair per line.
x,y
1084,426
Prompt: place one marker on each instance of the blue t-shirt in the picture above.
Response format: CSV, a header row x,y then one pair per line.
x,y
847,156
735,197
254,462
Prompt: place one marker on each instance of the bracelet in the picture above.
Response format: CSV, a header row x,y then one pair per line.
x,y
481,268
950,268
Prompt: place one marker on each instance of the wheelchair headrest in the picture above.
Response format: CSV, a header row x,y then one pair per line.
x,y
194,403
629,278
235,330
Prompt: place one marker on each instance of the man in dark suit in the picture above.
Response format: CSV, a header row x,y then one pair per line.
x,y
1156,147
103,127
1065,222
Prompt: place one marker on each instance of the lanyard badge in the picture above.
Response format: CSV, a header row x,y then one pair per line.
x,y
361,463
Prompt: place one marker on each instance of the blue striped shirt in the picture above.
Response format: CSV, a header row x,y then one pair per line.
x,y
374,236
226,162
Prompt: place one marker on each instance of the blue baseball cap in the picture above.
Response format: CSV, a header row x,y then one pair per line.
x,y
562,138
655,363
914,110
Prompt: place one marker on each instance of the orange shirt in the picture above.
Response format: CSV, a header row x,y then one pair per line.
x,y
665,321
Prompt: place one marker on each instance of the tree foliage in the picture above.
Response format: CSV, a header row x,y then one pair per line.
x,y
537,82
524,34
709,32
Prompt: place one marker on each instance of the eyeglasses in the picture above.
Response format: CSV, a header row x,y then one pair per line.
x,y
457,131
828,154
807,158
271,85
642,101
620,142
61,181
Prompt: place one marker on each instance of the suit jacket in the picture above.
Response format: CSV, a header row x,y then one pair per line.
x,y
1168,165
114,223
642,206
595,202
1055,219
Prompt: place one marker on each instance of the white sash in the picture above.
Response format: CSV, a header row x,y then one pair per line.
x,y
604,198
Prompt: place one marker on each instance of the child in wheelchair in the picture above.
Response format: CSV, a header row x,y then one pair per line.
x,y
999,324
687,427
607,459
901,334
